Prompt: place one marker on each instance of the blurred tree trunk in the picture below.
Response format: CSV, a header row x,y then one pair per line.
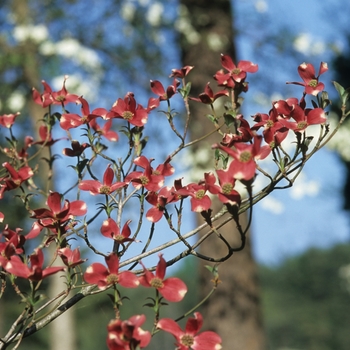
x,y
234,309
62,334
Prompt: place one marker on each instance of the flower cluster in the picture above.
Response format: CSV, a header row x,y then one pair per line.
x,y
133,184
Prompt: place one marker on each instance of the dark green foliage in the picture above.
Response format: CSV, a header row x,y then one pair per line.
x,y
306,301
341,66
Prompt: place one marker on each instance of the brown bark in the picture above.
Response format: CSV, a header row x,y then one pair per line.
x,y
234,309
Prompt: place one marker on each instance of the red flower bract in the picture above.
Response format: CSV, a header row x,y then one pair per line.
x,y
151,180
58,215
127,335
72,120
208,96
239,72
105,277
70,258
158,88
311,83
106,187
7,120
244,157
172,289
128,110
15,178
189,338
76,150
35,272
159,201
110,229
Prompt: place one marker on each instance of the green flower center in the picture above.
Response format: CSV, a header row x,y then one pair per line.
x,y
112,279
60,98
313,83
187,340
144,180
302,125
236,71
157,282
127,115
118,238
105,189
269,124
245,157
227,188
160,207
200,194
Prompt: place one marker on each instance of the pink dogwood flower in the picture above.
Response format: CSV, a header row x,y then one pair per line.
x,y
7,120
57,215
208,96
105,130
190,338
127,335
158,89
35,272
70,258
129,110
310,80
15,178
110,229
73,120
181,73
149,179
106,187
159,200
172,288
110,275
48,97
76,150
244,156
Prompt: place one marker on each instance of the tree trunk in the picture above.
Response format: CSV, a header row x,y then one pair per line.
x,y
234,309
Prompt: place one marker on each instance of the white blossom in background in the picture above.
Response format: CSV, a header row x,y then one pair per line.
x,y
154,13
36,33
341,142
127,11
261,6
73,50
16,101
183,25
265,100
144,3
77,84
216,42
306,44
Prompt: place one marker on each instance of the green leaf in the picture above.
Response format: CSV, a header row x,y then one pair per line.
x,y
229,119
339,88
212,118
185,91
213,269
343,93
